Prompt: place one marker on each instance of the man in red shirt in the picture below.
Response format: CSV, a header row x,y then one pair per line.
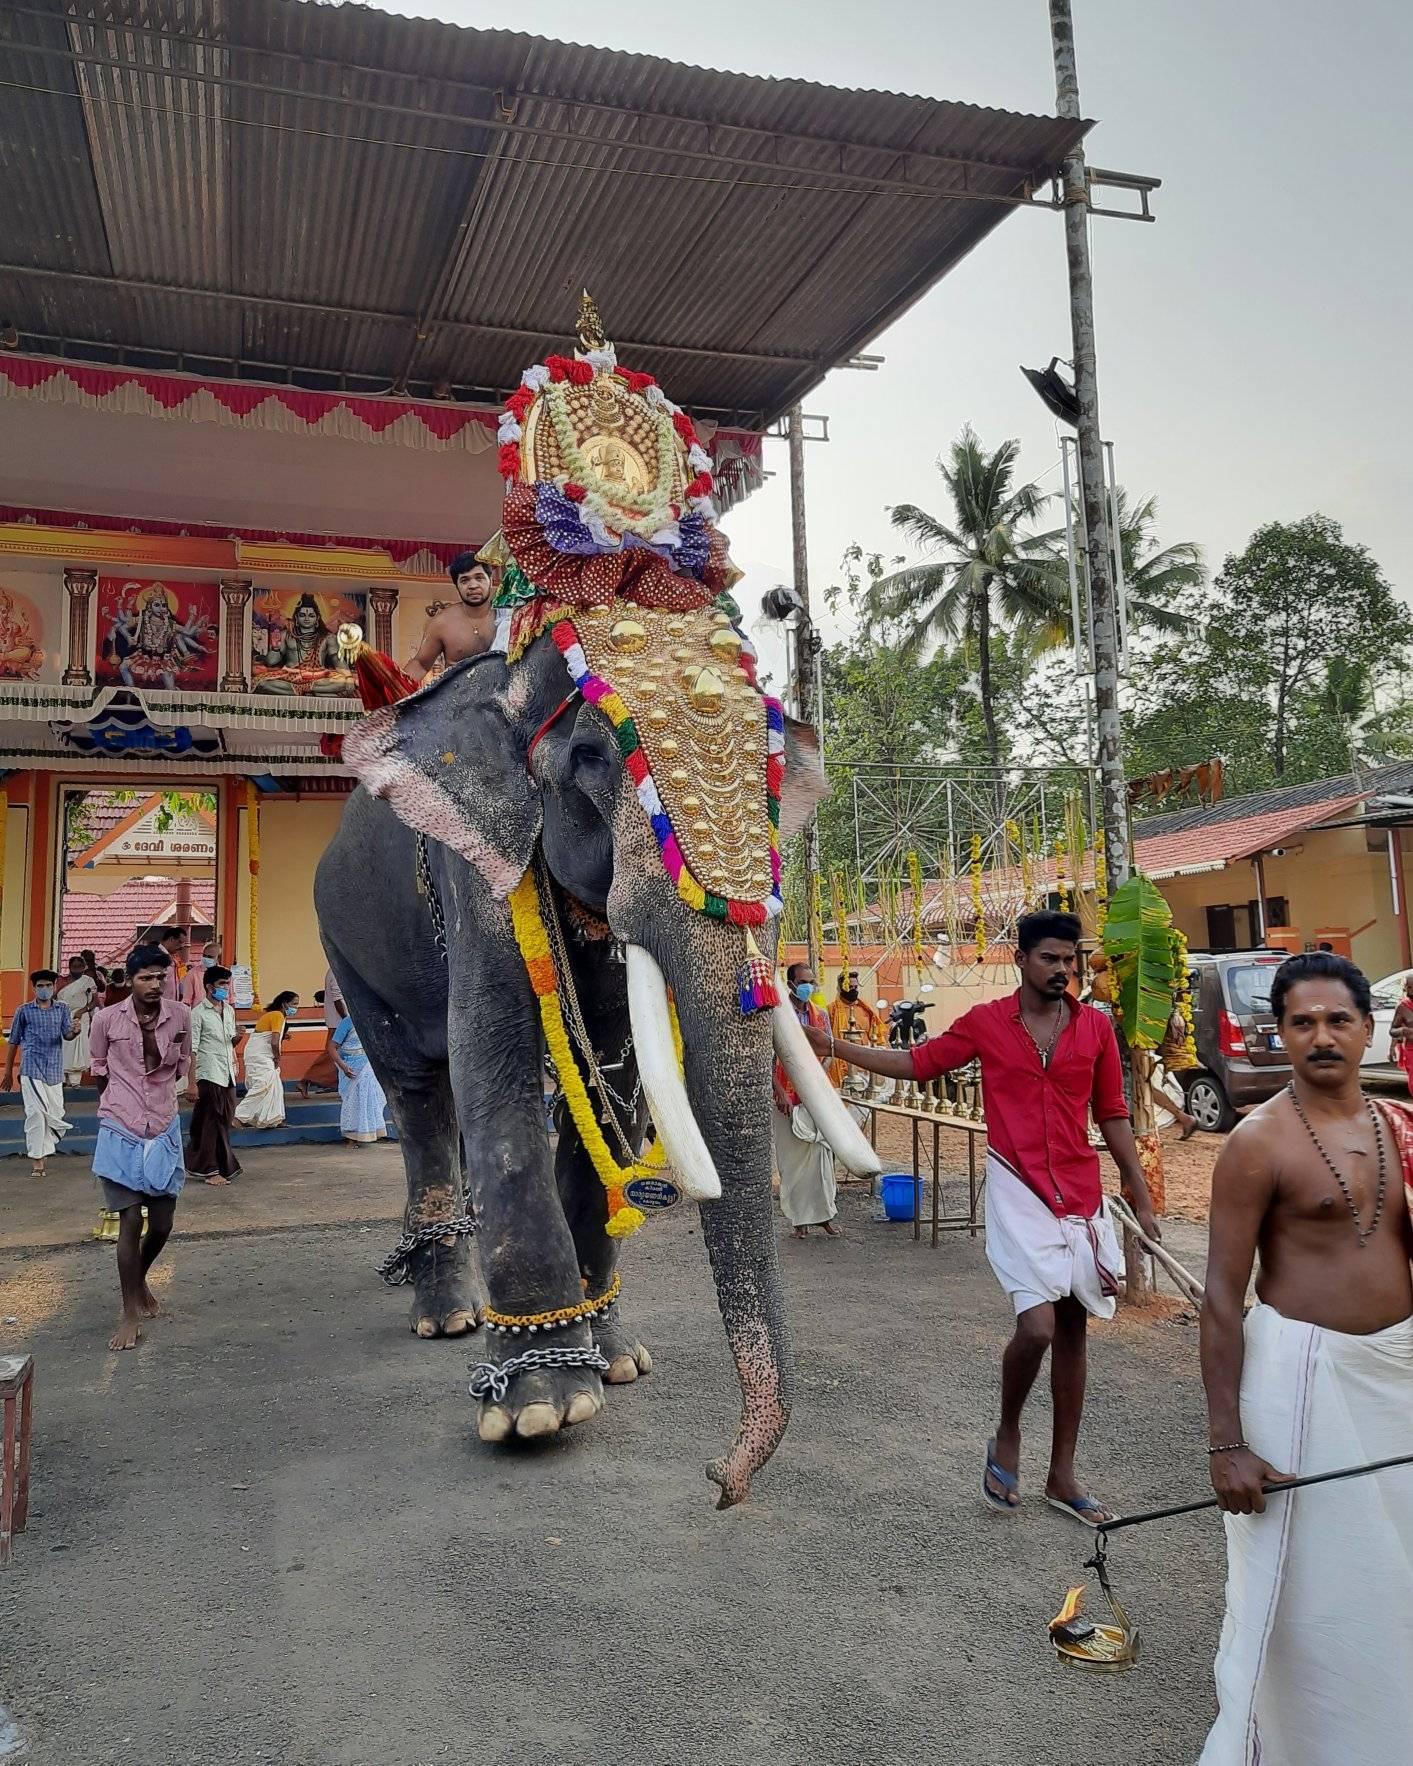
x,y
1046,1062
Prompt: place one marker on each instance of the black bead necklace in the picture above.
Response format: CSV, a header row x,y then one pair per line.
x,y
1365,1232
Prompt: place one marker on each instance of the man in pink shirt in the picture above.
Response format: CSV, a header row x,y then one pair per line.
x,y
140,1051
1046,1063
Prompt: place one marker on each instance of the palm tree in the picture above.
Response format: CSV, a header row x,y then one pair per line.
x,y
986,571
1155,579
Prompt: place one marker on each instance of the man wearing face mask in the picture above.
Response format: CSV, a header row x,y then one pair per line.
x,y
802,1156
211,1086
41,1028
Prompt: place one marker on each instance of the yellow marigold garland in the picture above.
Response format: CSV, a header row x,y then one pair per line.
x,y
840,901
533,941
252,839
1101,888
978,906
1188,1056
1062,888
817,914
915,890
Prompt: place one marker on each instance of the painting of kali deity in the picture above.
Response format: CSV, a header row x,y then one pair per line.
x,y
294,642
21,637
157,634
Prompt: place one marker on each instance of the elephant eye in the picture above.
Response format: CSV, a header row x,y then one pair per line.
x,y
590,764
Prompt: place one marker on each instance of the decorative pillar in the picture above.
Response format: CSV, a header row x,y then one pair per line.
x,y
382,603
79,585
235,593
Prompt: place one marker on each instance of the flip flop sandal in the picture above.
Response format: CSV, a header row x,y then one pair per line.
x,y
1083,1509
1008,1481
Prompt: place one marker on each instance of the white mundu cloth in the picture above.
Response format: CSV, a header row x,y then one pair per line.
x,y
1315,1665
1039,1256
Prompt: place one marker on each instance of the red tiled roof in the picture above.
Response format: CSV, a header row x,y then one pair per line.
x,y
109,924
1191,850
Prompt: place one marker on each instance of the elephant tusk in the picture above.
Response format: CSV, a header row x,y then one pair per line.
x,y
811,1082
687,1153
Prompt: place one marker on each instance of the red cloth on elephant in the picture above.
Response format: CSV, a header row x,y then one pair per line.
x,y
635,574
380,681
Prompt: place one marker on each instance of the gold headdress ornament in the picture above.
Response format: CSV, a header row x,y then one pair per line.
x,y
615,550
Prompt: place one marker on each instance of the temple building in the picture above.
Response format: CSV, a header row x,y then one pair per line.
x,y
256,331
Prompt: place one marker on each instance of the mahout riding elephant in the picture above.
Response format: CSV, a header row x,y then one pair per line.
x,y
504,768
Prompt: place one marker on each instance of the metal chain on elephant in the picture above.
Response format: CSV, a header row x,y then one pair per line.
x,y
396,1269
491,1381
426,886
578,1029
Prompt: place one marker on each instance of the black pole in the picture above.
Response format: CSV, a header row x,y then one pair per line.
x,y
1191,1508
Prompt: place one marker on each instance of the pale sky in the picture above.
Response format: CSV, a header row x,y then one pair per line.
x,y
1254,357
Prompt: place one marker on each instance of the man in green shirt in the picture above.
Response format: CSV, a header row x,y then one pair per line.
x,y
211,1084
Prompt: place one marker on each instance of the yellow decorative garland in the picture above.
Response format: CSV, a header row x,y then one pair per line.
x,y
1188,1055
252,838
1062,888
978,907
533,941
840,902
1101,887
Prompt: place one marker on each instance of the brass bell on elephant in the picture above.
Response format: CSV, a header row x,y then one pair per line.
x,y
628,636
706,691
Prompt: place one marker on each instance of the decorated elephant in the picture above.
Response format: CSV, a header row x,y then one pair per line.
x,y
572,848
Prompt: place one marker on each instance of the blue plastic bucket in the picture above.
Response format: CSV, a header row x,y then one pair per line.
x,y
899,1195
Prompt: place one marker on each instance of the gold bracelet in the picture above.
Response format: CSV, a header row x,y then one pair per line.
x,y
515,1322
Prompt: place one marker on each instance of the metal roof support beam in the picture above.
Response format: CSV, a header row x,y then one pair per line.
x,y
363,315
94,21
500,120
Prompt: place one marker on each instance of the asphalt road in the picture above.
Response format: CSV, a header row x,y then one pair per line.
x,y
271,1535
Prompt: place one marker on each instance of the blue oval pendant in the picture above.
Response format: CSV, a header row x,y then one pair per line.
x,y
648,1193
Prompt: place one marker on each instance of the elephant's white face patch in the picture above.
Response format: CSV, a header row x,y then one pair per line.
x,y
516,697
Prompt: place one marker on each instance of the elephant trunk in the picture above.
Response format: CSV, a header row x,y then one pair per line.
x,y
727,1061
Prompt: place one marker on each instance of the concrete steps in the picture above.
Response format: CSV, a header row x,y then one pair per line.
x,y
307,1122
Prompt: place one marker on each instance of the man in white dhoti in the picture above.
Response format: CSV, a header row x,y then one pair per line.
x,y
41,1029
1315,1664
79,993
808,1191
1046,1063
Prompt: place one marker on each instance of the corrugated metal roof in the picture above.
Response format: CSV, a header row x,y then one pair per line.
x,y
334,189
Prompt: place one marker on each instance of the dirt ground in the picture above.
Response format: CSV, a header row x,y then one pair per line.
x,y
270,1534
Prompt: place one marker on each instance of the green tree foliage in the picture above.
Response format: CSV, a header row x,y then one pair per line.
x,y
985,571
1301,631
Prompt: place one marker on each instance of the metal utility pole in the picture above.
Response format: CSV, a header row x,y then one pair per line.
x,y
1103,609
1103,598
806,643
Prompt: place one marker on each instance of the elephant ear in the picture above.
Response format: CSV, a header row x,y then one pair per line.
x,y
805,784
451,763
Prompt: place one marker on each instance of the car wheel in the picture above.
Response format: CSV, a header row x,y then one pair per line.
x,y
1208,1103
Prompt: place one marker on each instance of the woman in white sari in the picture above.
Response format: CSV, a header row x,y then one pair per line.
x,y
263,1105
78,994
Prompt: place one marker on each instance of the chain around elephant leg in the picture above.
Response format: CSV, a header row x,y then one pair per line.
x,y
537,1385
440,1266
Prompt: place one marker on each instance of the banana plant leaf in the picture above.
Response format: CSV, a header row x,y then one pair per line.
x,y
1139,946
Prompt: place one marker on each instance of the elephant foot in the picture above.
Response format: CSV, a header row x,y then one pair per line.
x,y
618,1344
540,1401
444,1301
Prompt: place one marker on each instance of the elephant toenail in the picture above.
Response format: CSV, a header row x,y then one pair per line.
x,y
537,1419
582,1406
495,1424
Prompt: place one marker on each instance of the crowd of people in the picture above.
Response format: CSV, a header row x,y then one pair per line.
x,y
156,1032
